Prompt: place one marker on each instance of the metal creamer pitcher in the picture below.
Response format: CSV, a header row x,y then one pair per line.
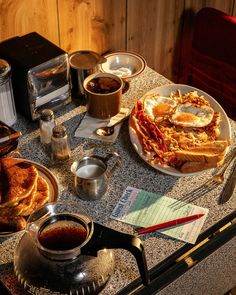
x,y
92,174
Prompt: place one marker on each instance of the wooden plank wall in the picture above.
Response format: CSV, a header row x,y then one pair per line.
x,y
97,25
155,29
19,17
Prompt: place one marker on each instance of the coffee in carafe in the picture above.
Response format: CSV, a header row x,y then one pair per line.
x,y
65,234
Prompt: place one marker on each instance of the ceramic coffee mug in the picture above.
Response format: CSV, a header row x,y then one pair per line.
x,y
104,93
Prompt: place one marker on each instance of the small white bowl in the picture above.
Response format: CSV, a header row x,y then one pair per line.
x,y
123,64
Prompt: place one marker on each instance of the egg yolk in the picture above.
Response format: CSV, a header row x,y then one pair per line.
x,y
161,110
186,117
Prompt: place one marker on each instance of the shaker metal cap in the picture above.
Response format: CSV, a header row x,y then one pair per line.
x,y
5,69
47,115
85,59
59,131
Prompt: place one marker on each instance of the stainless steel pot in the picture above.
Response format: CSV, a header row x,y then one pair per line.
x,y
82,64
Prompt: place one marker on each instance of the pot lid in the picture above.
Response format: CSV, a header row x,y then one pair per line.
x,y
85,59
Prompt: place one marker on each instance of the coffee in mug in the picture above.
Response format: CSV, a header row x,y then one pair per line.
x,y
104,93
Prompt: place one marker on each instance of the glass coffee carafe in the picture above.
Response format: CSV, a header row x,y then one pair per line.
x,y
64,252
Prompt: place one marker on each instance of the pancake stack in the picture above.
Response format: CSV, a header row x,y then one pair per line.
x,y
22,190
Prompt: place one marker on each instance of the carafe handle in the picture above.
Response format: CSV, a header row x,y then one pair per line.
x,y
104,237
117,163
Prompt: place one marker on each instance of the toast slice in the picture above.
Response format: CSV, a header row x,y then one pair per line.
x,y
203,157
211,153
214,147
189,167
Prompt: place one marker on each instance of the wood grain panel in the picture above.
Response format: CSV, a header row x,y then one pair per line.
x,y
159,30
97,25
153,30
19,17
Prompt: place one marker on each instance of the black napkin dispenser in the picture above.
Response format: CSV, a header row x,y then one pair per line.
x,y
40,73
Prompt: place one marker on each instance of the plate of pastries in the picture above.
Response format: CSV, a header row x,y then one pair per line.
x,y
24,187
180,130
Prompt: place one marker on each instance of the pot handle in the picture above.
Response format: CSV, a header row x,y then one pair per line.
x,y
117,163
104,237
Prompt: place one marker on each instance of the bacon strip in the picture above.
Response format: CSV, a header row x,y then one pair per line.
x,y
151,138
148,127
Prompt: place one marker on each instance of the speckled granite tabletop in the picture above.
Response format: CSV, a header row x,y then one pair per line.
x,y
133,172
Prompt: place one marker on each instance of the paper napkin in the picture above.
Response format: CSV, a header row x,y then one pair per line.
x,y
89,124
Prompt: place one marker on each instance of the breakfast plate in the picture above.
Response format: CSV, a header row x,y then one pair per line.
x,y
53,187
166,90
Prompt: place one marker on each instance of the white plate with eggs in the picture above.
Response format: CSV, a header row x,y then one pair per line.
x,y
166,90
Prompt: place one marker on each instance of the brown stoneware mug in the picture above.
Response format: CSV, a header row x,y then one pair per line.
x,y
104,94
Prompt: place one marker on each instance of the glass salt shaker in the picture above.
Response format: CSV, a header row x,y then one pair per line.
x,y
7,104
60,143
47,122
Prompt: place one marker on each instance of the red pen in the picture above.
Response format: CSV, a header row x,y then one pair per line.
x,y
168,223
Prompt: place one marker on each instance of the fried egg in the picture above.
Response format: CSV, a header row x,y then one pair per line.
x,y
158,106
187,115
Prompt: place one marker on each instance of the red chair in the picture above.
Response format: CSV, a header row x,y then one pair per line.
x,y
213,57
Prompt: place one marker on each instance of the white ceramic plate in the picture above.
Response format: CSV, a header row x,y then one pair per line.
x,y
225,129
52,183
